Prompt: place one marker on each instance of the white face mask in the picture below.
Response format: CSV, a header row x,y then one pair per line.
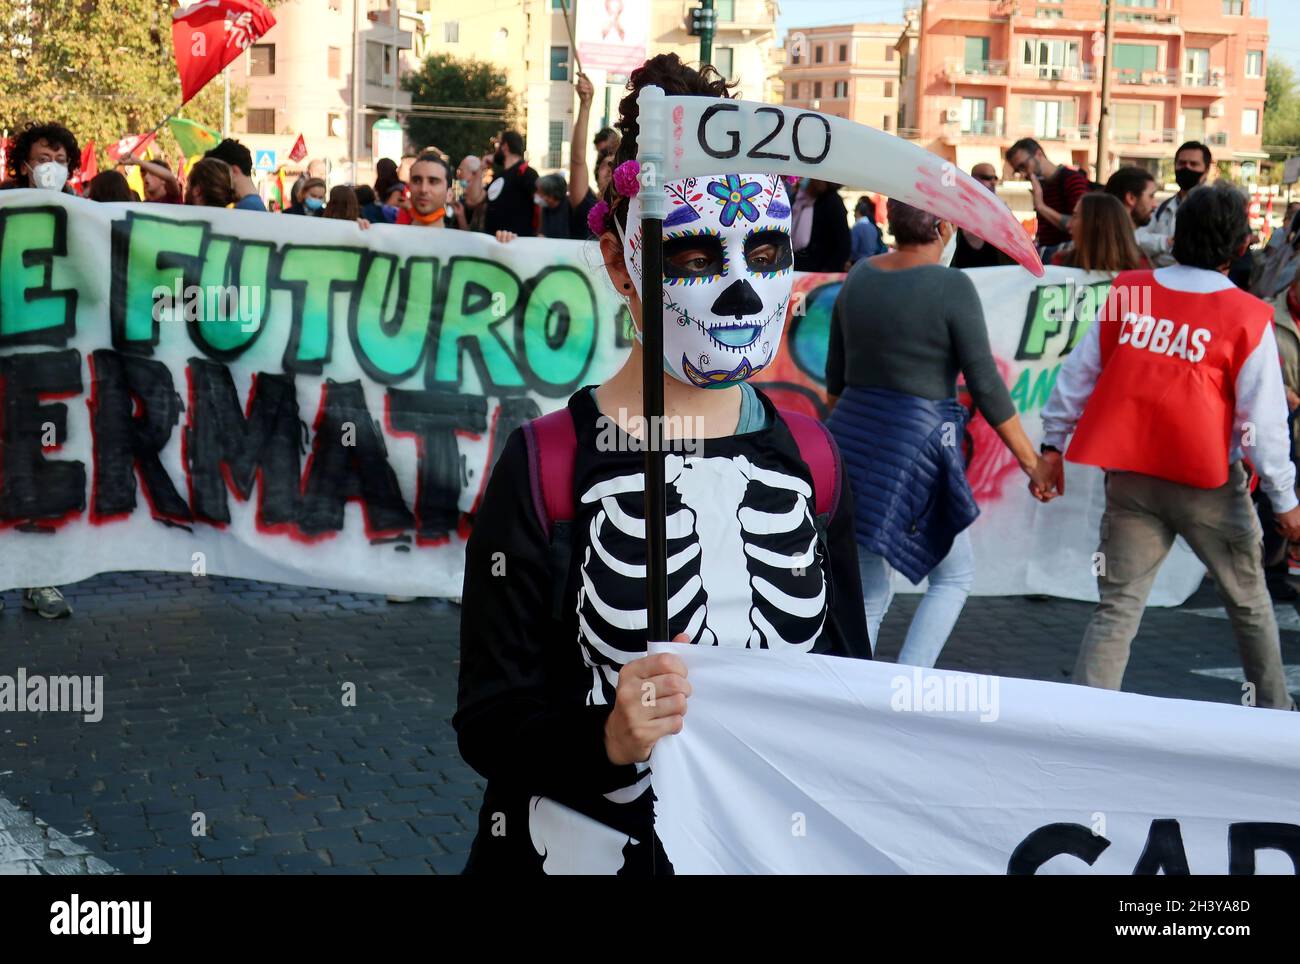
x,y
50,175
722,323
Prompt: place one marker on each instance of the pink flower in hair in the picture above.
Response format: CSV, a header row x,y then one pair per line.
x,y
627,178
596,218
792,180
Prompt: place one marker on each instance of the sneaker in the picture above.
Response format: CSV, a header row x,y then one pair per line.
x,y
47,602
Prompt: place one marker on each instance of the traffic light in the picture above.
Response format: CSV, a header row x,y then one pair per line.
x,y
701,18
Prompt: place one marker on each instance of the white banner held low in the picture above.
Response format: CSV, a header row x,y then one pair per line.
x,y
801,764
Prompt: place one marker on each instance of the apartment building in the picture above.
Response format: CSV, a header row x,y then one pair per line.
x,y
849,70
979,74
298,79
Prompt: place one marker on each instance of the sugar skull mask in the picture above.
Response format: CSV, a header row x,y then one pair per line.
x,y
728,272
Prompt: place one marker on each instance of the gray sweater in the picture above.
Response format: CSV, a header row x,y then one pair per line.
x,y
912,331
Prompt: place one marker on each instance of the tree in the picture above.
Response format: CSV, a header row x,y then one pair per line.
x,y
444,81
102,68
1281,105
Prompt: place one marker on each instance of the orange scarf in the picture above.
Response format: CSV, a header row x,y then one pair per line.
x,y
426,220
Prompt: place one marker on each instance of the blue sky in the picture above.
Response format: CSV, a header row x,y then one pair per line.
x,y
1284,26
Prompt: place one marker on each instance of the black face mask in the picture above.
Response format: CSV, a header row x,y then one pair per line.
x,y
1187,178
499,158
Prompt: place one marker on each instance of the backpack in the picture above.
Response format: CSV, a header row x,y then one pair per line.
x,y
552,445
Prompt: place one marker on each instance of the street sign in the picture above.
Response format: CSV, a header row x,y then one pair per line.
x,y
387,139
264,160
1291,171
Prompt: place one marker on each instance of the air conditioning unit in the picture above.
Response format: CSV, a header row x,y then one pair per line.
x,y
952,115
1216,109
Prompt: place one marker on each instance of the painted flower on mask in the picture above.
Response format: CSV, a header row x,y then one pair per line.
x,y
736,198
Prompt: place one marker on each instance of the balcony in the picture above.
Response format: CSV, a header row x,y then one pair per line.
x,y
1209,81
983,128
1128,136
1075,74
1146,78
957,70
1081,132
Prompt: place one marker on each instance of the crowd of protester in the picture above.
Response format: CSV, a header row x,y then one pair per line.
x,y
909,287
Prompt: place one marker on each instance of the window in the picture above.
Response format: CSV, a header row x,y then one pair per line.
x,y
722,60
559,64
1232,8
794,53
451,31
889,88
724,11
379,64
844,52
886,123
334,59
261,62
1135,62
1050,59
1193,123
977,55
1049,13
817,89
555,143
794,90
889,54
819,52
261,120
1196,67
1254,63
1131,120
335,126
1250,121
1048,119
841,88
974,112
559,4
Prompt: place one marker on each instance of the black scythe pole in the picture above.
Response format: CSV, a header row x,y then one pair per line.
x,y
650,154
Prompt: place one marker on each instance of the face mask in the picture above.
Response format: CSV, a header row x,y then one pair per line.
x,y
50,176
1187,178
463,182
314,204
537,199
724,328
499,158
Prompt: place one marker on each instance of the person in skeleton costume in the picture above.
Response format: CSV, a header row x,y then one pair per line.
x,y
553,627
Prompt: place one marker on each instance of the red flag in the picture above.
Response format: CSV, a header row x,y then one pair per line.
x,y
89,168
209,34
128,145
299,149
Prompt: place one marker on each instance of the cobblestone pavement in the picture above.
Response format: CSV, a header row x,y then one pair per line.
x,y
225,702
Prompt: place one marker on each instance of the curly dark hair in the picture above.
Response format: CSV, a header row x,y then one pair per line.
x,y
666,71
55,134
1211,226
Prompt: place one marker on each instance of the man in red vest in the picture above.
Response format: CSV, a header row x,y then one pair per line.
x,y
1172,391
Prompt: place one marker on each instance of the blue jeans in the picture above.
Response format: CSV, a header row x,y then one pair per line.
x,y
950,583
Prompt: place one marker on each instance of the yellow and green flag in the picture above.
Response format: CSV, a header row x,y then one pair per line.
x,y
194,138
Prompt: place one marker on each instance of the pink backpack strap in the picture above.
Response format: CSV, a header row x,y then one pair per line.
x,y
552,445
822,457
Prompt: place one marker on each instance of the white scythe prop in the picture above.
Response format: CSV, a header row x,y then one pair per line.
x,y
692,136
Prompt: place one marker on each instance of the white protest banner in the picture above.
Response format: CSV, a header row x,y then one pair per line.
x,y
802,764
333,422
613,35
